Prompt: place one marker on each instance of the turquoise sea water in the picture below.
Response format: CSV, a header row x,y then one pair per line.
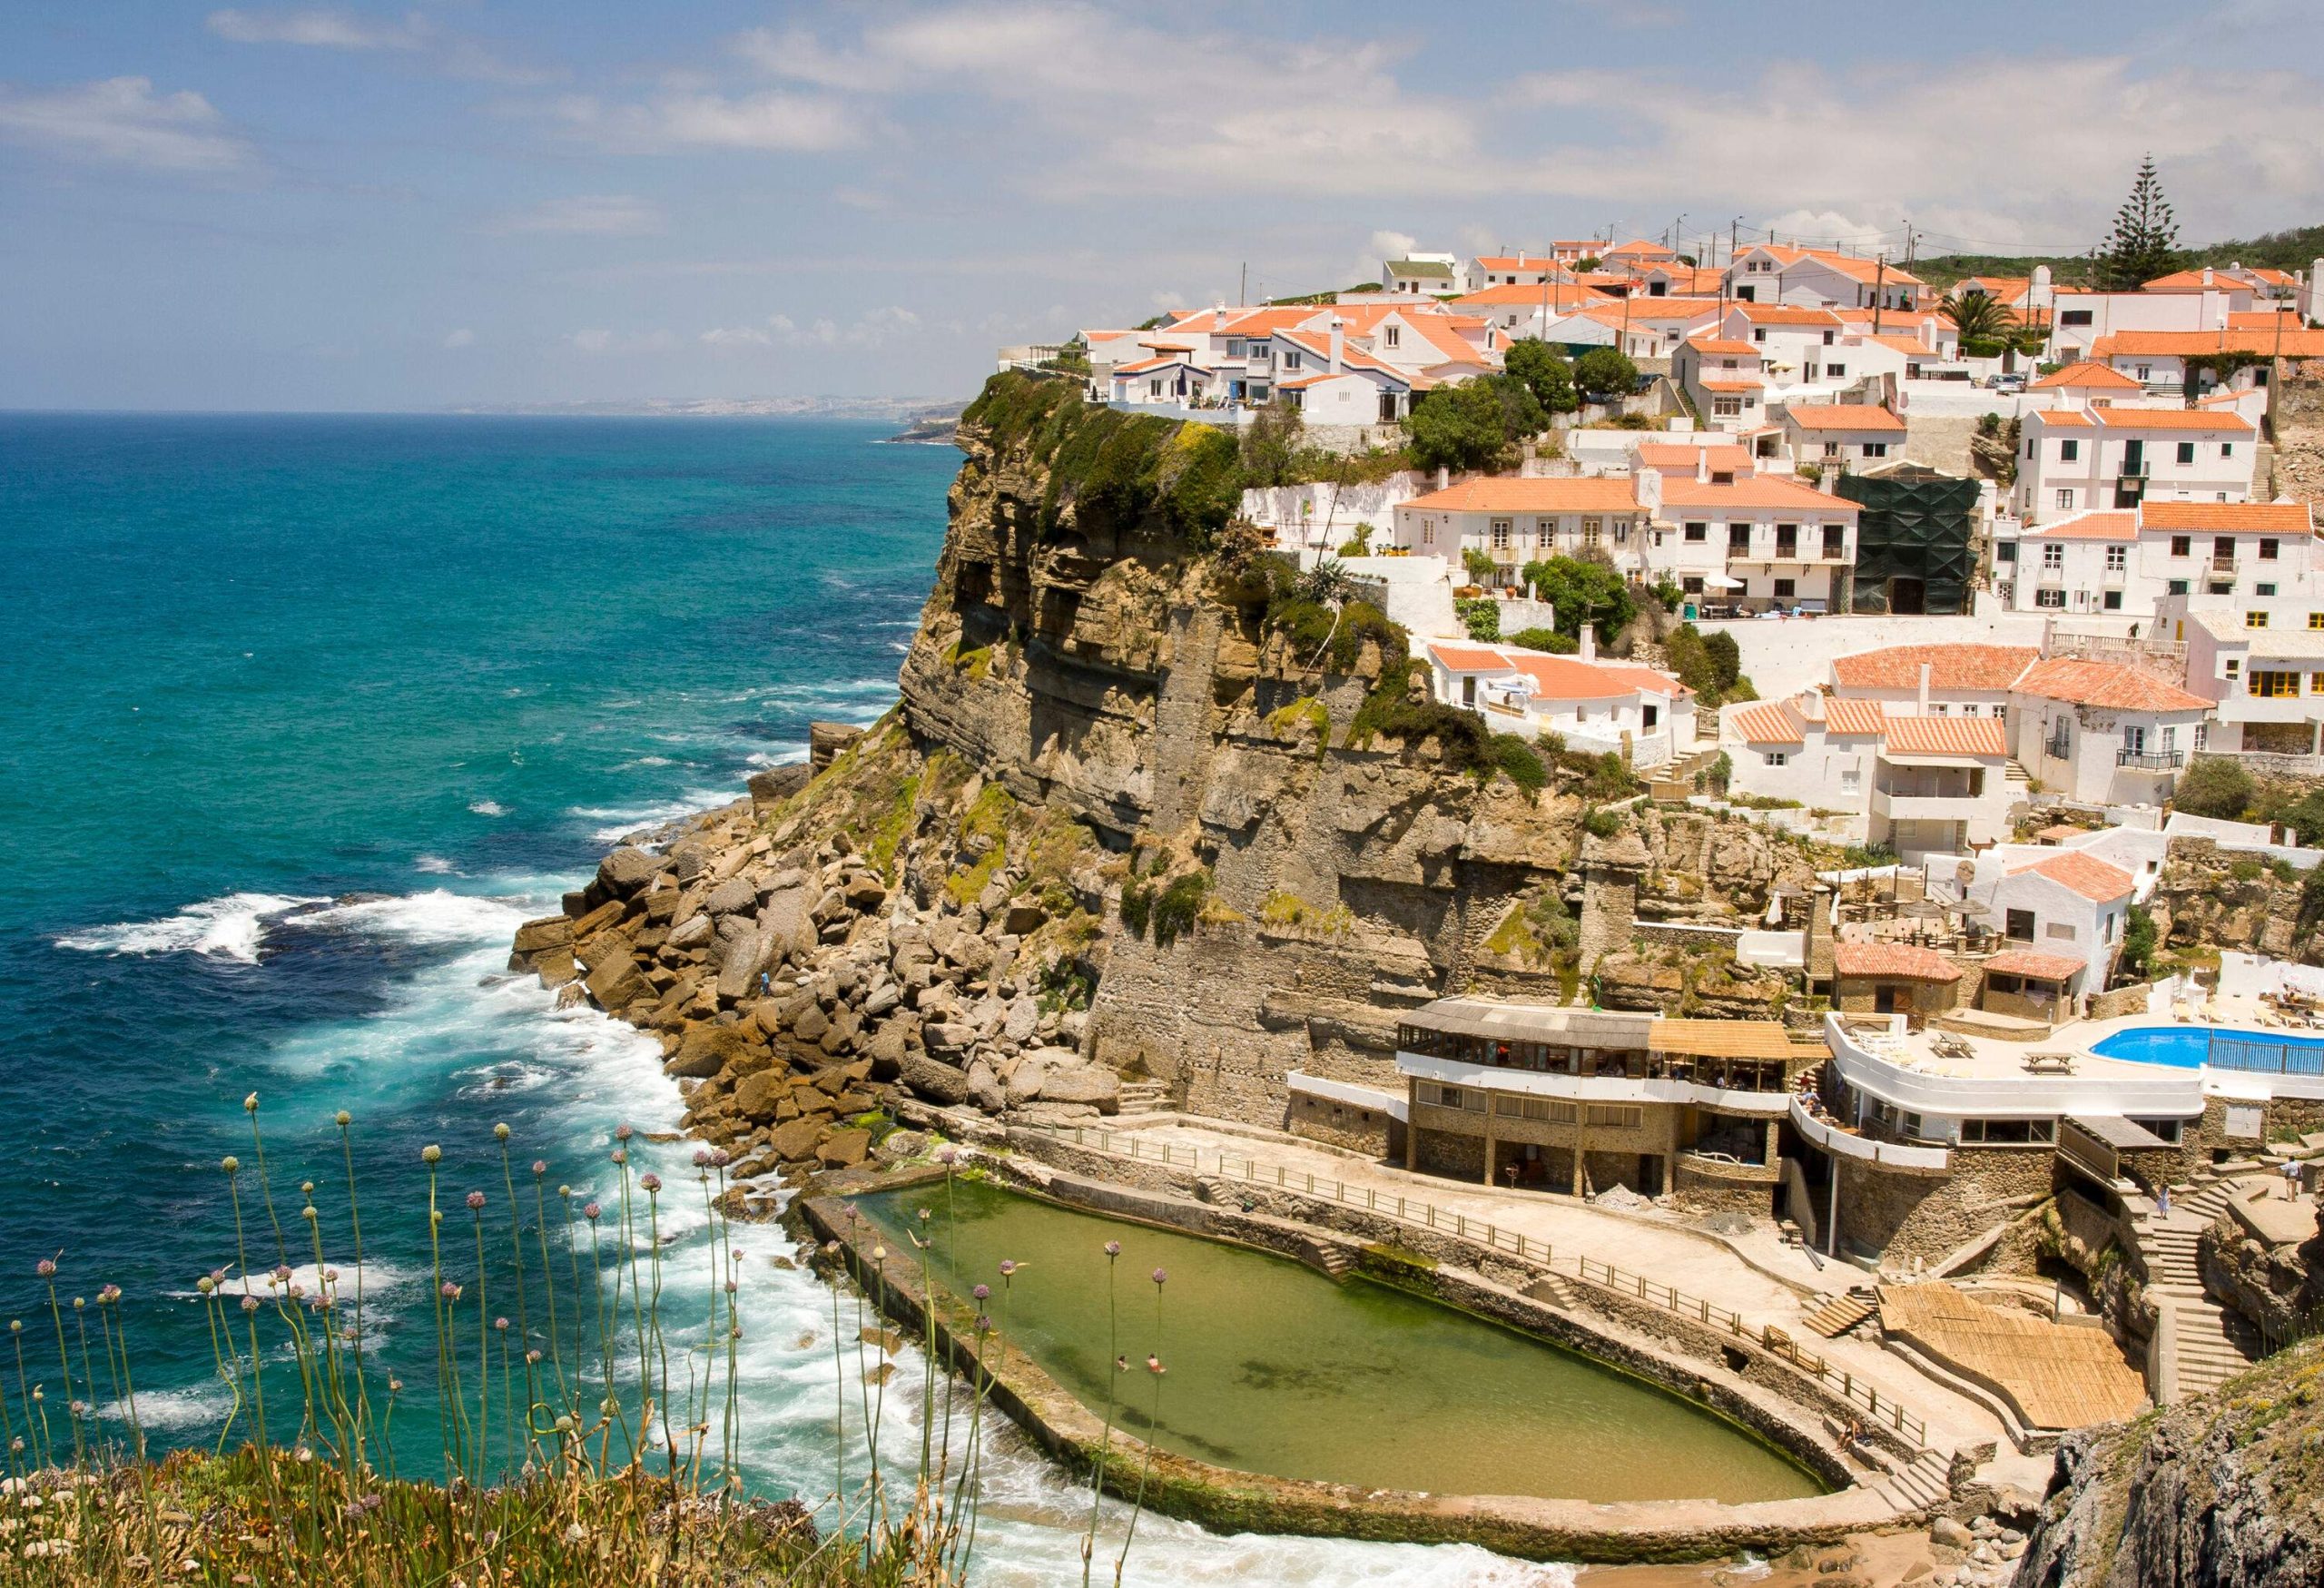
x,y
302,716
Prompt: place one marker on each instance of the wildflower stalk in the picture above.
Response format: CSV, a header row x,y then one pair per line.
x,y
1106,1442
548,1281
484,1345
446,1402
517,1252
637,1300
652,1184
258,1147
355,1218
1153,1430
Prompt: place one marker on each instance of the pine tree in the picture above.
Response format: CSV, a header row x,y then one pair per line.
x,y
2145,237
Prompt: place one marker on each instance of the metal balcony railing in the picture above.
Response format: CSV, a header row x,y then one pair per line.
x,y
2150,760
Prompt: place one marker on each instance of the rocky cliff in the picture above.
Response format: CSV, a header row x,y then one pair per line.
x,y
1146,809
2224,1491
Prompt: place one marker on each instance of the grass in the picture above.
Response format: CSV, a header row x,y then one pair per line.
x,y
555,1464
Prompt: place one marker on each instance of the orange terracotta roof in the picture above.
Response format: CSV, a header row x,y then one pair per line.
x,y
1561,296
1564,678
1143,365
1951,666
2219,280
2105,525
1893,958
2177,344
2105,683
1867,270
1721,344
2169,418
1469,659
2076,417
1733,386
2086,373
1787,314
2040,966
1640,248
1770,722
1761,490
1946,735
1652,680
1841,415
1845,716
1506,494
2086,875
2251,518
1678,455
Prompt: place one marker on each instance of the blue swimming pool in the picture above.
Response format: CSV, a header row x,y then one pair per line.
x,y
2185,1047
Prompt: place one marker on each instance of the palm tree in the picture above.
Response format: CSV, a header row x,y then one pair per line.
x,y
1977,316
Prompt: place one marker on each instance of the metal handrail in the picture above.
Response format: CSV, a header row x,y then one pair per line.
x,y
1427,1215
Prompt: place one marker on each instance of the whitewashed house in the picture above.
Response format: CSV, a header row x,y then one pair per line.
x,y
2061,914
2103,732
1726,378
1778,541
1935,680
2265,684
1520,521
1768,272
1846,437
1816,749
1941,784
2133,562
1639,713
2074,458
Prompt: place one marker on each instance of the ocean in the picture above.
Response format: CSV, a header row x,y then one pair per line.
x,y
304,716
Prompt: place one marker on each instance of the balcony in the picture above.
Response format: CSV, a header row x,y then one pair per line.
x,y
2150,760
1899,807
2223,565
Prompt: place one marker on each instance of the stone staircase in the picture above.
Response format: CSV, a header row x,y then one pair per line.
x,y
1334,1259
1145,1096
2014,772
1923,1482
1683,770
2211,1341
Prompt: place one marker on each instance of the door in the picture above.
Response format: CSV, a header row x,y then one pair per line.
x,y
1884,1000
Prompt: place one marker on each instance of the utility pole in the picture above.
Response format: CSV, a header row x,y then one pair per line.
x,y
1242,288
1879,281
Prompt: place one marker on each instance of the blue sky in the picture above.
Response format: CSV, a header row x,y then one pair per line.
x,y
392,207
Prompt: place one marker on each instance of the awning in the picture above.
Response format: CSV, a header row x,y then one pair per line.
x,y
1720,582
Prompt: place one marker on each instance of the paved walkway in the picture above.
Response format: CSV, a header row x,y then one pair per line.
x,y
1655,1244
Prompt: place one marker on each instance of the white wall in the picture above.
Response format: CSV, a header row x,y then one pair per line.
x,y
1420,592
1785,655
1325,514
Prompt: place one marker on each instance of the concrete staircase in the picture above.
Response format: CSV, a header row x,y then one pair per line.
x,y
1923,1482
2211,1341
2014,772
1683,770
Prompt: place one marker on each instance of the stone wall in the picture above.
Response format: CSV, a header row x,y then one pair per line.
x,y
1902,1215
1373,1131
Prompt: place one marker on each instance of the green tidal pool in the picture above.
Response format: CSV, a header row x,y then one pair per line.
x,y
1273,1368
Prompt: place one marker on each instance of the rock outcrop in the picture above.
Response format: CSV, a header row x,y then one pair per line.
x,y
1129,818
2224,1491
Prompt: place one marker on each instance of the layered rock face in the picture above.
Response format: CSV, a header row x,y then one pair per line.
x,y
1121,825
2224,1491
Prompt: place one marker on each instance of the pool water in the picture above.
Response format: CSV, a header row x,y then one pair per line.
x,y
2187,1047
1273,1368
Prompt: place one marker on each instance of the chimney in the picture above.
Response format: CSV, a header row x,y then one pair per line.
x,y
1444,477
2207,275
1339,335
1926,672
1589,639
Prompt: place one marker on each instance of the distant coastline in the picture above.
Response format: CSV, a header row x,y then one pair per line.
x,y
900,408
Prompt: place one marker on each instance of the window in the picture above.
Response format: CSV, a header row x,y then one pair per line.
x,y
2008,1131
2059,931
2065,501
2316,684
2268,549
1622,1117
2268,684
2182,544
1776,758
1831,448
1835,542
1739,538
1827,338
2227,449
1692,585
2018,926
1154,389
1698,533
2112,600
1590,529
1851,781
1391,335
2070,450
1758,333
2176,587
1787,540
2053,556
2186,452
2061,743
1784,588
2166,1129
1291,359
2118,558
2316,620
2255,620
1726,406
1834,372
2234,666
1428,531
2263,589
2075,317
2146,372
2052,596
1501,534
2004,551
1875,449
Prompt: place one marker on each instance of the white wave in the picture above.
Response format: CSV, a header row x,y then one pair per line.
x,y
615,823
377,1278
432,864
643,761
436,916
488,807
167,1410
232,927
776,757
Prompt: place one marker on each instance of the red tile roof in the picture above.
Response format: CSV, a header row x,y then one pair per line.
x,y
1508,494
1787,314
1843,716
2171,418
1946,735
1721,344
2086,373
2251,518
1952,666
1770,722
2040,966
2107,523
1893,958
1564,678
1842,416
2086,875
2178,344
1761,490
2105,683
1469,659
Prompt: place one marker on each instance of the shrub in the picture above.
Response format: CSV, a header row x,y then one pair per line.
x,y
2137,940
1583,590
1136,906
1358,544
1480,615
1604,372
1600,823
1725,657
1178,906
1861,856
2215,786
1512,756
1544,639
1720,772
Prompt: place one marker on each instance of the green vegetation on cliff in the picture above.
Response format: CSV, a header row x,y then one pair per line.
x,y
1112,469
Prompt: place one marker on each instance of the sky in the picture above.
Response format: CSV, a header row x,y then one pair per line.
x,y
386,207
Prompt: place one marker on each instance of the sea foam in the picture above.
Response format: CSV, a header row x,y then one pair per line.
x,y
232,927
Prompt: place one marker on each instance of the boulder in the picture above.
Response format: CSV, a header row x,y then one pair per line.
x,y
844,1148
705,1050
759,1098
865,893
627,870
933,1079
787,918
1024,1015
1082,1084
1025,1079
1023,920
883,998
897,1146
738,974
811,1024
886,1049
734,896
616,984
549,932
595,921
946,1036
985,1090
690,932
796,1142
555,967
775,784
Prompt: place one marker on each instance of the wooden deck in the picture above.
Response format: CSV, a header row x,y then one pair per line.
x,y
2056,1375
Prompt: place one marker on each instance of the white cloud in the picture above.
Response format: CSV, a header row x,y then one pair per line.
x,y
777,121
587,215
873,329
462,337
122,120
319,29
